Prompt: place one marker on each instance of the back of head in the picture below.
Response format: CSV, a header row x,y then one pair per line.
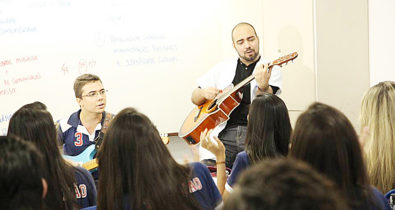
x,y
37,126
81,81
35,105
283,184
135,164
325,138
269,128
21,174
378,114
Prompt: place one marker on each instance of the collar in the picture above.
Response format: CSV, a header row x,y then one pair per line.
x,y
75,120
244,65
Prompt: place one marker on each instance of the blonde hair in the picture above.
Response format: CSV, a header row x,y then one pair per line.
x,y
378,114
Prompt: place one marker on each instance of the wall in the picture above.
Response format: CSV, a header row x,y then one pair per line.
x,y
381,40
147,53
342,54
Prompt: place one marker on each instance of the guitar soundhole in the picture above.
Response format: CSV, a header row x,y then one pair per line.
x,y
212,105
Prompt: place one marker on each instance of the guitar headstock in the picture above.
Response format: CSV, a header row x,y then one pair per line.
x,y
285,59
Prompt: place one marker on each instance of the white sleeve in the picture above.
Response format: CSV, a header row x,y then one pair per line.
x,y
276,78
209,78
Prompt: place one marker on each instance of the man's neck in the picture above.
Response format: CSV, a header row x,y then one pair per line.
x,y
89,118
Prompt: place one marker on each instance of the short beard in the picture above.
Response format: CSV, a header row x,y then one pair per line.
x,y
249,58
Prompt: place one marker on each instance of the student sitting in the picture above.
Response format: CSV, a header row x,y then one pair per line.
x,y
325,138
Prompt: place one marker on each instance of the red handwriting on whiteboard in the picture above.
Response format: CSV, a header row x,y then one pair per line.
x,y
22,59
7,91
5,63
13,83
25,59
26,78
65,69
83,66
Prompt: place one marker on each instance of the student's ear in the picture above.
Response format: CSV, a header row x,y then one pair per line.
x,y
45,188
78,101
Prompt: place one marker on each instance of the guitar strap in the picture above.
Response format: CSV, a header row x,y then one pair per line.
x,y
100,137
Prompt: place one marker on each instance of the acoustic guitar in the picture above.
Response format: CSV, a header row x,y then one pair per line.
x,y
216,111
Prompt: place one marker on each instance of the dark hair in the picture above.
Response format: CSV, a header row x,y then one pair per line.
x,y
81,81
325,138
21,175
283,184
135,165
35,105
37,126
269,128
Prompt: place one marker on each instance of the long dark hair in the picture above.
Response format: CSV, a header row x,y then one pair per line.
x,y
269,128
37,126
21,174
326,139
137,170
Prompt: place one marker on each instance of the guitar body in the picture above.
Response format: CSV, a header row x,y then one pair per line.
x,y
87,155
208,115
216,111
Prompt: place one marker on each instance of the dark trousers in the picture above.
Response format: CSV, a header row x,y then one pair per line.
x,y
233,138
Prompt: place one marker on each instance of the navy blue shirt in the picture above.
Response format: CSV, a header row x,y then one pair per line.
x,y
241,163
202,186
74,136
85,188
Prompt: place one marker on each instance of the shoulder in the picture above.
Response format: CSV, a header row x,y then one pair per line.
x,y
226,65
220,75
263,60
198,168
240,164
90,208
71,121
82,175
242,154
243,157
380,199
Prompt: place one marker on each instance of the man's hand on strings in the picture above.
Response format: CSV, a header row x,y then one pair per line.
x,y
262,77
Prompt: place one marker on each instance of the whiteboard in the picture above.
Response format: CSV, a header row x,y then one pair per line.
x,y
147,53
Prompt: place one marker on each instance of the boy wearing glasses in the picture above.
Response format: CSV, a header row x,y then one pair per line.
x,y
84,127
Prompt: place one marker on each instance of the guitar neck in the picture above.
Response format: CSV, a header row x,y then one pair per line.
x,y
247,80
90,165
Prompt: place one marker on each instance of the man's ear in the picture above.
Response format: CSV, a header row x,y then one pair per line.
x,y
45,188
78,101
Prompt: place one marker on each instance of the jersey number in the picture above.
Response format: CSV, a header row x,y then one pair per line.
x,y
78,139
80,191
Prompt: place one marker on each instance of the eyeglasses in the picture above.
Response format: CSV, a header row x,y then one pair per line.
x,y
94,94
